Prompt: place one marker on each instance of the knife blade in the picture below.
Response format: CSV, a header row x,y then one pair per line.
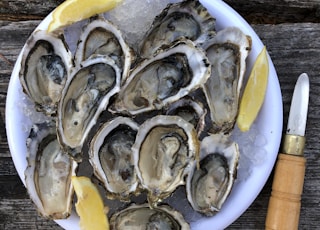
x,y
299,107
285,201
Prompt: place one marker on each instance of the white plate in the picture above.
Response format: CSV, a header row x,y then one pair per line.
x,y
268,123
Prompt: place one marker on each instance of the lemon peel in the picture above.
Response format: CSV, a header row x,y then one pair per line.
x,y
89,206
254,92
72,11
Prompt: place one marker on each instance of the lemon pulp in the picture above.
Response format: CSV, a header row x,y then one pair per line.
x,y
89,205
254,92
72,11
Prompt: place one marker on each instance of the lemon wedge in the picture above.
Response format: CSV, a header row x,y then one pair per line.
x,y
89,206
72,11
254,92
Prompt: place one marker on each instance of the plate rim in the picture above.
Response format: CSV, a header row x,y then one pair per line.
x,y
277,132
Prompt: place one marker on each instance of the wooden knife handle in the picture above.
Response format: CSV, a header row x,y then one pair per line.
x,y
285,201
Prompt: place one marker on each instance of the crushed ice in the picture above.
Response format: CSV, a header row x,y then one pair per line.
x,y
134,18
28,109
252,152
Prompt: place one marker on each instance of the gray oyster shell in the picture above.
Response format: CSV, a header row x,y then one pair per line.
x,y
209,185
191,110
45,67
227,53
141,217
84,97
164,149
187,20
111,157
163,79
49,171
101,37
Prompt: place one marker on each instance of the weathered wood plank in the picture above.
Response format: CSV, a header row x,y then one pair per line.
x,y
255,11
13,35
4,149
12,187
258,12
28,10
7,167
21,214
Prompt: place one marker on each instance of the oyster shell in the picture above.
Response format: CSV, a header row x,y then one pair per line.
x,y
227,53
141,217
190,110
49,171
164,148
209,186
101,37
45,66
163,79
187,19
111,157
84,97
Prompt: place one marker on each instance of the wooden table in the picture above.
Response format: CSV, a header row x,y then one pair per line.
x,y
289,28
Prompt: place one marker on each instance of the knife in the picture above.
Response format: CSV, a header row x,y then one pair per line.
x,y
285,201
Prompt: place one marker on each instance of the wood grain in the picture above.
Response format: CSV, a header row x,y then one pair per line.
x,y
289,29
17,10
277,11
255,11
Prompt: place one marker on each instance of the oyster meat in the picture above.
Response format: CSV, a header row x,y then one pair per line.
x,y
164,148
141,217
49,171
163,79
187,19
209,186
111,157
45,66
84,97
227,53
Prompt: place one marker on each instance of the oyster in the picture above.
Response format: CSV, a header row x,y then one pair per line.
x,y
45,66
164,148
49,171
187,19
111,157
209,186
190,110
227,53
141,217
163,79
84,97
101,37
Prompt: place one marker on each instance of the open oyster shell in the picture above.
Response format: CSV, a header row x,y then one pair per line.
x,y
191,110
142,217
111,157
45,66
227,53
209,186
84,97
163,79
186,19
101,37
49,171
164,149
